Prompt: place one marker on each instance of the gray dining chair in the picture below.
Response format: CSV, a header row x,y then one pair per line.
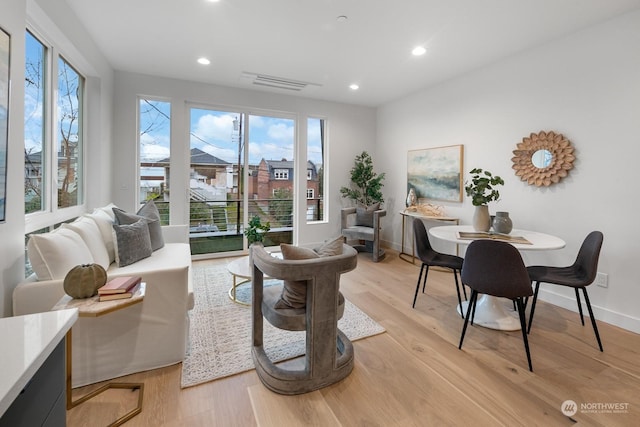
x,y
578,276
431,257
496,268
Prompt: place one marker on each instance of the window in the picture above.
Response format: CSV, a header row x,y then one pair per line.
x,y
34,119
316,152
69,132
309,193
281,173
53,129
154,138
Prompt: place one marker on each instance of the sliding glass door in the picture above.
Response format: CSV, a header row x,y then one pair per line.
x,y
231,181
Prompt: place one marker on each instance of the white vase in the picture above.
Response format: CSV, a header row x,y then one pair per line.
x,y
481,218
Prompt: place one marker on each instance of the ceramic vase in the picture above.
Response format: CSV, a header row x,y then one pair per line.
x,y
502,223
481,218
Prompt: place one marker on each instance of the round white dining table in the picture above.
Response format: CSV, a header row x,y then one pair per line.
x,y
492,312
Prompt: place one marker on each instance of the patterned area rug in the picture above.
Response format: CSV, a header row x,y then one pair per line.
x,y
220,331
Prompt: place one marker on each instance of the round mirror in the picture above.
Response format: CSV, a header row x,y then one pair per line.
x,y
542,158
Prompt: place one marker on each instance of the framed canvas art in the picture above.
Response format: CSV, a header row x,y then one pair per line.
x,y
4,117
436,173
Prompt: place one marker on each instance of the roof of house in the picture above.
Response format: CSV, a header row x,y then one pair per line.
x,y
200,157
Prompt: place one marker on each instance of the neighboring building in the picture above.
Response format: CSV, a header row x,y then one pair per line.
x,y
276,175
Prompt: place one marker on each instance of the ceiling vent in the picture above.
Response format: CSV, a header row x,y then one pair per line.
x,y
277,82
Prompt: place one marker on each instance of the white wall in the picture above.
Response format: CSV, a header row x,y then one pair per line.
x,y
12,18
54,20
351,129
585,86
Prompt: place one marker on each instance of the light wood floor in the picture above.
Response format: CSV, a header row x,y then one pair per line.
x,y
414,374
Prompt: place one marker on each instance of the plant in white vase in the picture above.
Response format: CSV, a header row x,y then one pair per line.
x,y
482,190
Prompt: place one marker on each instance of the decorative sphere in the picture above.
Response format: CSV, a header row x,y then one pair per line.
x,y
83,281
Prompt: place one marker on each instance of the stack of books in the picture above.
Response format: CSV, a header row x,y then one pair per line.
x,y
119,288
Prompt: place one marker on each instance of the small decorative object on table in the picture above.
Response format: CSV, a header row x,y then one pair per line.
x,y
119,288
482,190
502,223
83,281
411,198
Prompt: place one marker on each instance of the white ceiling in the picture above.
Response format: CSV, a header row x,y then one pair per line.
x,y
303,40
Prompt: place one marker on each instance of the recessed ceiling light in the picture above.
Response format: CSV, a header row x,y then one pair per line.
x,y
213,1
354,86
342,18
418,51
203,61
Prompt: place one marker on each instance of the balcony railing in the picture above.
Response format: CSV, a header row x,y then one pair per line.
x,y
216,226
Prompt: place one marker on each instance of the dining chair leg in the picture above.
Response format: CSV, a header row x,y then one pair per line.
x,y
455,274
474,295
415,297
579,305
426,271
473,313
523,326
533,305
593,319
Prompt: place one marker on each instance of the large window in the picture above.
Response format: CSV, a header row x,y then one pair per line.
x,y
154,137
53,118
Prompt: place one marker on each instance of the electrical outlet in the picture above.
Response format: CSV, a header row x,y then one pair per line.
x,y
602,280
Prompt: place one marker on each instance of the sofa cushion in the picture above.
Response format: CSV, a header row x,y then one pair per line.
x,y
132,242
331,247
294,292
53,254
108,210
105,224
148,212
364,214
87,228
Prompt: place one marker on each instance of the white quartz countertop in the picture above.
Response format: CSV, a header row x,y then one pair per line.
x,y
27,341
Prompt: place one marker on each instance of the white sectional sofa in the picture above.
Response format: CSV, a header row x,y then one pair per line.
x,y
144,336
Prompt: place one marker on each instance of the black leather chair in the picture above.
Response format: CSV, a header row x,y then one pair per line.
x,y
496,268
430,257
579,275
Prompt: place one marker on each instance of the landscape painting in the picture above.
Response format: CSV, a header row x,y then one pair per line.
x,y
436,173
4,117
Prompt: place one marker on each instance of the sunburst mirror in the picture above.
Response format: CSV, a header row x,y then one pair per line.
x,y
543,158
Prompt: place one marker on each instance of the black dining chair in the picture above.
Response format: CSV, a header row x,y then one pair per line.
x,y
496,268
430,257
579,275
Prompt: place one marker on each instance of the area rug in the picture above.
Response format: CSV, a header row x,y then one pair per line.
x,y
220,330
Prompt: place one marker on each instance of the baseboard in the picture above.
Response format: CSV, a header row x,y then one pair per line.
x,y
602,314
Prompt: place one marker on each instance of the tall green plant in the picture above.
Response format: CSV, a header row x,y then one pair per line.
x,y
366,184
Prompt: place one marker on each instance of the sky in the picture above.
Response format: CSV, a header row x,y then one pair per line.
x,y
214,132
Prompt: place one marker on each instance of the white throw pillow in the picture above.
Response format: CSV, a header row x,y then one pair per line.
x,y
87,228
53,254
105,224
107,209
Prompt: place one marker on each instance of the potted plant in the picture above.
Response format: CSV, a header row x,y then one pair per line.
x,y
482,190
366,184
256,230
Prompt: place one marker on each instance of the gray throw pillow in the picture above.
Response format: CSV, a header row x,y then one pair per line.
x,y
294,292
364,214
148,212
132,242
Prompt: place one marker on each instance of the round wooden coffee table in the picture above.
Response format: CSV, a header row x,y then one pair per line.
x,y
240,269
